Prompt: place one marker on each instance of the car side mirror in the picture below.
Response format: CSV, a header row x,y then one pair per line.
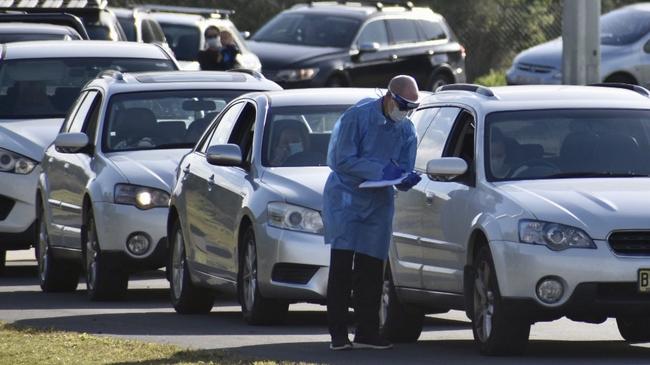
x,y
71,142
368,47
646,47
245,34
446,168
224,155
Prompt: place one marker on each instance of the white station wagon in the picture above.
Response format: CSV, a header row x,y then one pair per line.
x,y
536,207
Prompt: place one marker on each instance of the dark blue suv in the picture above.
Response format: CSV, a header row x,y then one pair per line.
x,y
355,44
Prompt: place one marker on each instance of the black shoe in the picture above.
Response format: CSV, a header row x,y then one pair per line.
x,y
339,344
374,342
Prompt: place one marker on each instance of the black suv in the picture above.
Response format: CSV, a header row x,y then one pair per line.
x,y
358,44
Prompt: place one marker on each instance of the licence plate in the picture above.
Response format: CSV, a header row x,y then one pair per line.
x,y
644,280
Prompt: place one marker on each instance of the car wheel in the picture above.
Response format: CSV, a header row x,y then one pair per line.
x,y
186,297
397,322
634,329
103,280
256,309
494,331
439,79
55,275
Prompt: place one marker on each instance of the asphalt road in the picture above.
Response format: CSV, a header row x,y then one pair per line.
x,y
147,315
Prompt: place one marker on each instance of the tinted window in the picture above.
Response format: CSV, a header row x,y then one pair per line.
x,y
432,30
435,137
319,30
623,26
156,31
403,30
422,119
45,88
374,32
227,121
548,144
128,25
8,38
159,120
184,40
299,135
147,32
77,122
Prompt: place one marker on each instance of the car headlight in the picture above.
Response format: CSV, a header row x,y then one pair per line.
x,y
300,74
555,236
141,196
295,218
14,163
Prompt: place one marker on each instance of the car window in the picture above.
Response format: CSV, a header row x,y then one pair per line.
x,y
435,137
184,40
226,122
47,87
422,119
77,123
374,32
161,119
623,26
72,112
319,30
403,31
432,30
242,133
156,32
23,37
92,122
128,25
461,143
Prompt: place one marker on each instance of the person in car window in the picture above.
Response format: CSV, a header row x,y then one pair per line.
x,y
291,137
373,140
229,51
498,164
210,59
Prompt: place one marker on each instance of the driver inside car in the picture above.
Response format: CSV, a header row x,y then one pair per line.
x,y
500,168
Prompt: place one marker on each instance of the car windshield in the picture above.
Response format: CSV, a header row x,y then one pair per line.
x,y
184,40
161,119
23,37
299,135
624,26
554,144
318,30
46,88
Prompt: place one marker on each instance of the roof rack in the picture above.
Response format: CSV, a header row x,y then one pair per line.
x,y
55,18
478,89
204,12
619,85
87,4
379,5
256,74
113,74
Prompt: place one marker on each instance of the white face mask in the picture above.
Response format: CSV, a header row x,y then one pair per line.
x,y
213,42
398,115
295,148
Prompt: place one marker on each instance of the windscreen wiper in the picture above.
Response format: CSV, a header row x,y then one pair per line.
x,y
568,175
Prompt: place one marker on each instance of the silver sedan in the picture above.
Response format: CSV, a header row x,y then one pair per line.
x,y
245,211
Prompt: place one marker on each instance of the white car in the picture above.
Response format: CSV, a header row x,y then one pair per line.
x,y
103,195
39,81
536,207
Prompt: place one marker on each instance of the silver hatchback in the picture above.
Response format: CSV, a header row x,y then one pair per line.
x,y
245,211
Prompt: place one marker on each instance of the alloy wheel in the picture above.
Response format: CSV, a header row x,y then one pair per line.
x,y
178,265
250,275
483,302
92,251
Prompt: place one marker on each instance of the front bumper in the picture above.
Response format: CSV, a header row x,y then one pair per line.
x,y
596,281
292,265
17,209
116,222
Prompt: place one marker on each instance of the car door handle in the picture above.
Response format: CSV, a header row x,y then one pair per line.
x,y
429,197
430,52
393,57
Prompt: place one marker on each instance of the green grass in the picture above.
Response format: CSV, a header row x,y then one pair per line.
x,y
28,346
493,78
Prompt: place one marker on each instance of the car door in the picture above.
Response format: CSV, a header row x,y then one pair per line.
x,y
407,55
78,170
447,214
371,67
228,187
201,215
408,222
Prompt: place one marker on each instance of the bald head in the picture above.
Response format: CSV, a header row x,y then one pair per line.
x,y
404,86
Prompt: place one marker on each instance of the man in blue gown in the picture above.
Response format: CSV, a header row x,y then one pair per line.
x,y
373,140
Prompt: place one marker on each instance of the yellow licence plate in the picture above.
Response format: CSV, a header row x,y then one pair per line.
x,y
644,280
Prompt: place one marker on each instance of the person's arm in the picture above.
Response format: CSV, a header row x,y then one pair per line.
x,y
344,150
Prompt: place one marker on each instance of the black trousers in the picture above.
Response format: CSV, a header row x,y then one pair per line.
x,y
364,274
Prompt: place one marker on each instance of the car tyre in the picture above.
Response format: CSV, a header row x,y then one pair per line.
x,y
439,79
55,275
397,322
634,329
186,297
104,282
256,309
494,331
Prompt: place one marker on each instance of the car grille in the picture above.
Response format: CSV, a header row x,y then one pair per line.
x,y
538,69
635,243
293,273
6,204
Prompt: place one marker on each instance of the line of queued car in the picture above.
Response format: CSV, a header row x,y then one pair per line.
x,y
115,161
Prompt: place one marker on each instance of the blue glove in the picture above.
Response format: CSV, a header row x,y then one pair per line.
x,y
410,181
391,171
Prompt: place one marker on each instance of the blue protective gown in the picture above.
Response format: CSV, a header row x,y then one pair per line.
x,y
363,142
